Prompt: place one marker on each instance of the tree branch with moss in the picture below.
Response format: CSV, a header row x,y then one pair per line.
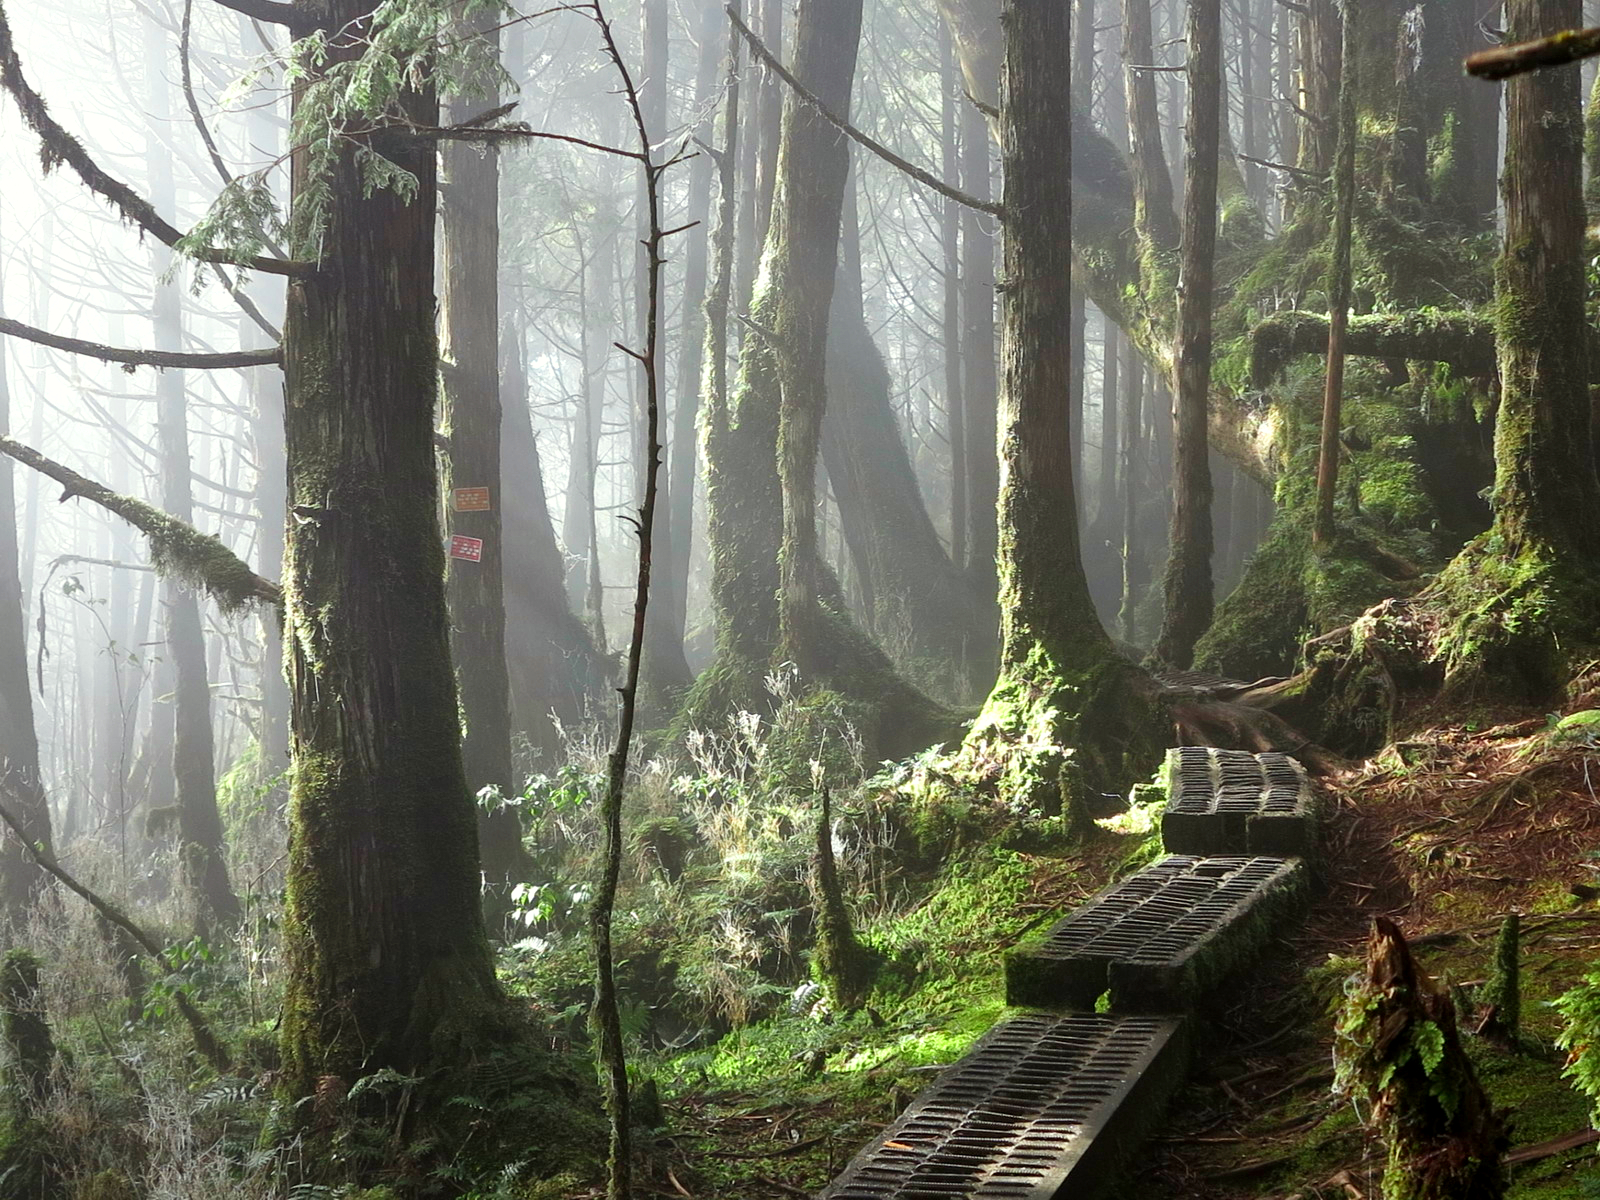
x,y
57,147
176,547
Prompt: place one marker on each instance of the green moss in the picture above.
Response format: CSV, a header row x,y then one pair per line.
x,y
1514,624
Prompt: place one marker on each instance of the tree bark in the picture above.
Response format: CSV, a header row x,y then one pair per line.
x,y
199,824
470,420
1188,585
387,960
21,786
1545,496
1338,287
1062,721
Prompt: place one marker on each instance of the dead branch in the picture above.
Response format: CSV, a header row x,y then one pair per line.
x,y
204,1039
1502,62
850,131
144,358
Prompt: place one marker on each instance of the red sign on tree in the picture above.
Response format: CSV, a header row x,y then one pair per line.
x,y
472,499
468,548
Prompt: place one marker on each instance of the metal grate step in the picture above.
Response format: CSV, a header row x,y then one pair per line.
x,y
1233,802
1161,938
1040,1103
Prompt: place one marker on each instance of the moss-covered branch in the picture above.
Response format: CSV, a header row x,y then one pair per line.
x,y
176,547
57,147
142,358
1463,340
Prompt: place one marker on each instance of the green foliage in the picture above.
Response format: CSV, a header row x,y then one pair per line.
x,y
346,105
1580,1038
243,220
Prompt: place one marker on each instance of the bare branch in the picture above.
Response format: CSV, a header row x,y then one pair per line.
x,y
144,358
57,146
176,547
204,1039
1502,62
850,131
1284,167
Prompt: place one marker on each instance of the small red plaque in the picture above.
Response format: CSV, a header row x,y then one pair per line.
x,y
472,499
469,548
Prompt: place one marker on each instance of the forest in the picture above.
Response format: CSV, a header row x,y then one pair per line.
x,y
870,599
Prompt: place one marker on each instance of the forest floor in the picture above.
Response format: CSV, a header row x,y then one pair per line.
x,y
777,1109
1445,832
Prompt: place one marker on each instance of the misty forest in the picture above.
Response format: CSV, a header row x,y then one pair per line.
x,y
864,599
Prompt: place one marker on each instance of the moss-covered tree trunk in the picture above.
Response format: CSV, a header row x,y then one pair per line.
x,y
21,788
470,419
791,610
1399,1051
387,964
799,265
199,825
1062,719
1188,586
1525,597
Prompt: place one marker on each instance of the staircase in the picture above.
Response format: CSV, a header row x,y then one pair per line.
x,y
1053,1101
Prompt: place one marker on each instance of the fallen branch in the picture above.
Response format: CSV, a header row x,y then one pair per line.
x,y
1555,1146
204,1039
176,547
144,358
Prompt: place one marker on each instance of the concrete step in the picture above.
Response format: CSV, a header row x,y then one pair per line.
x,y
1160,939
1044,1106
1233,802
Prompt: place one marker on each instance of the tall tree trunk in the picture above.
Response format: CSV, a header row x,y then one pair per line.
x,y
552,662
1132,486
387,961
1524,599
199,825
1062,721
950,332
801,262
916,598
666,670
979,385
1188,584
671,586
1153,213
21,786
596,267
1344,203
470,418
776,416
